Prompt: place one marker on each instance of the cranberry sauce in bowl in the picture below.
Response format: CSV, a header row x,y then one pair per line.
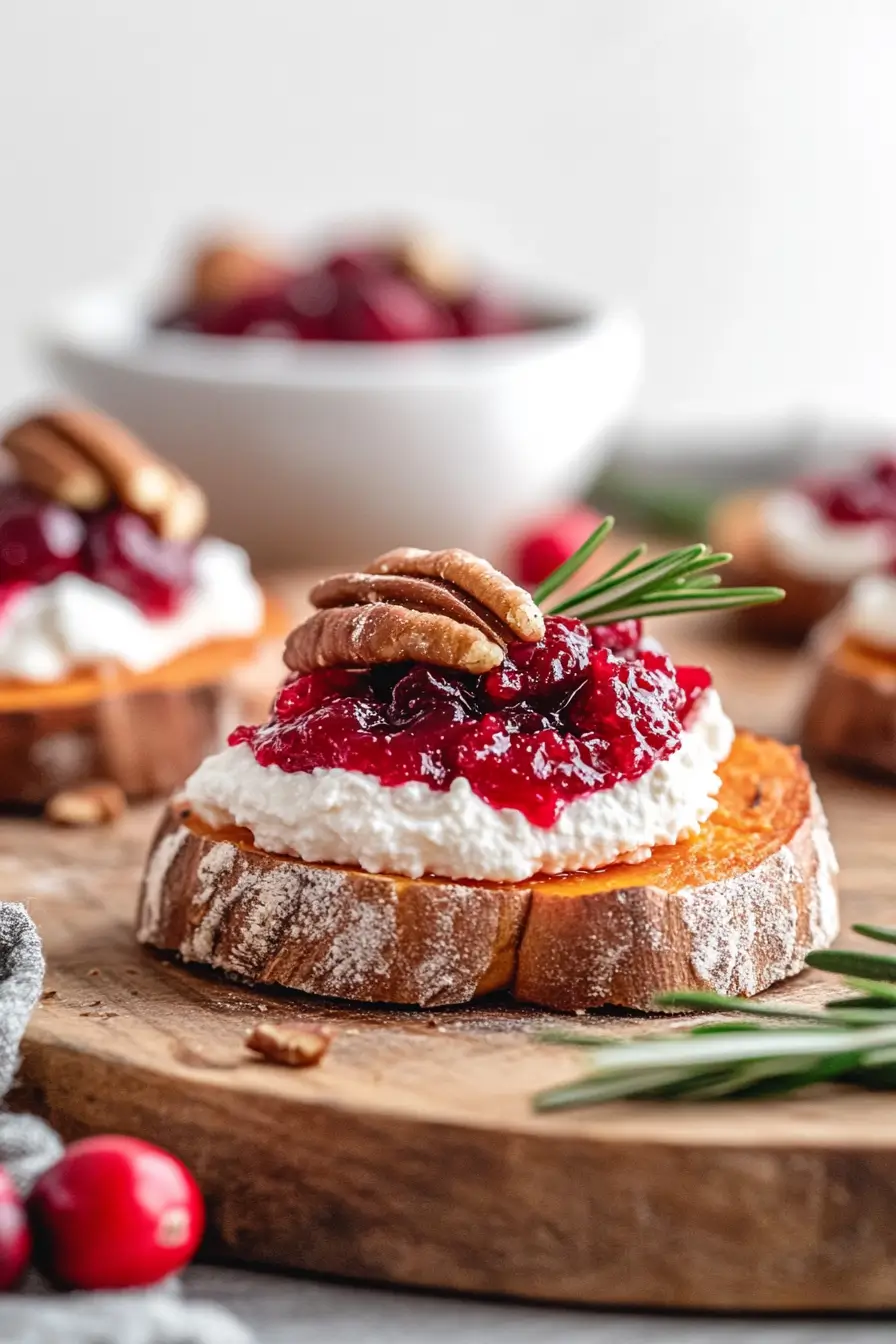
x,y
377,291
577,712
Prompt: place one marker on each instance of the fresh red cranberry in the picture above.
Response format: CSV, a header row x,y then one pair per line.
x,y
124,553
387,308
15,1237
542,669
484,314
115,1212
619,638
39,539
550,541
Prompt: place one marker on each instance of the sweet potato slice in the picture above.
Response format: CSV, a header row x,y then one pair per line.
x,y
735,909
735,525
144,731
851,713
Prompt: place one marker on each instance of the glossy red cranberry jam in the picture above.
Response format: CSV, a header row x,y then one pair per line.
x,y
866,496
365,293
577,712
125,553
40,540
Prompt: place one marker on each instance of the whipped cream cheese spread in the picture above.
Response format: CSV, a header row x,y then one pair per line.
x,y
345,816
809,543
870,611
51,630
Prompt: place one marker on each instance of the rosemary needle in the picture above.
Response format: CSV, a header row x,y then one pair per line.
x,y
780,1048
575,561
681,580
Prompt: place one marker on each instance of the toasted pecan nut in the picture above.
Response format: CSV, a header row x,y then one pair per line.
x,y
405,590
82,458
433,266
511,604
224,269
48,461
382,633
299,1047
448,608
94,804
138,477
185,515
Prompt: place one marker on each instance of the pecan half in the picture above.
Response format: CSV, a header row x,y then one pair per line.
x,y
433,266
299,1047
224,269
419,594
138,478
184,516
379,632
448,608
93,804
47,460
83,458
511,604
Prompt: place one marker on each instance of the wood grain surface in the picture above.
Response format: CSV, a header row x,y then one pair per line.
x,y
412,1154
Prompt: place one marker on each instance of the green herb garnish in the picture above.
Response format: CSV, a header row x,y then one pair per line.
x,y
850,1040
682,580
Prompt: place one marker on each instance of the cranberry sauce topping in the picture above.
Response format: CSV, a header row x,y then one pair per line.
x,y
577,712
125,553
866,496
40,540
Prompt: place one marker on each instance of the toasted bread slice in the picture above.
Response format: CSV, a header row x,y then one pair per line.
x,y
734,910
144,731
736,525
851,713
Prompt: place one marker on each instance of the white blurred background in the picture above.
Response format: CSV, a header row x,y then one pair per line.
x,y
729,166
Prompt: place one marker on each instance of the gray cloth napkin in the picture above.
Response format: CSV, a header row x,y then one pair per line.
x,y
27,1147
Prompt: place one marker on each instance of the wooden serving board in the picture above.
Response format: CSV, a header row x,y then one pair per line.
x,y
412,1154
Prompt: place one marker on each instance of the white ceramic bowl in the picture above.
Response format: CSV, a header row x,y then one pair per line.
x,y
318,452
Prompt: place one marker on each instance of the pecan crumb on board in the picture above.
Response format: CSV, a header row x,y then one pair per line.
x,y
298,1047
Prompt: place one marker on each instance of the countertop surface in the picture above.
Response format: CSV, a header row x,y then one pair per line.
x,y
283,1310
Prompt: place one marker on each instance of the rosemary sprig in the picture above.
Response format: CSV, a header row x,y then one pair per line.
x,y
678,581
850,1040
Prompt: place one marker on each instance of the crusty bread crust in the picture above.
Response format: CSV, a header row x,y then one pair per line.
x,y
851,713
734,910
735,525
146,742
144,731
